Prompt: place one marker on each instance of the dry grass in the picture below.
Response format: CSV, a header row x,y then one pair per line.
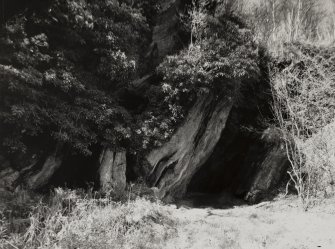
x,y
319,150
277,23
73,220
76,221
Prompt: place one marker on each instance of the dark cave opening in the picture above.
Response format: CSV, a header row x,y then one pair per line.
x,y
226,171
244,168
77,171
237,158
227,176
224,180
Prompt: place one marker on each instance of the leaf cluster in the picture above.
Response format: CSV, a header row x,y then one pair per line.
x,y
61,68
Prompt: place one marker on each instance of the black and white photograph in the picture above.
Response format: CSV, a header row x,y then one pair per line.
x,y
167,124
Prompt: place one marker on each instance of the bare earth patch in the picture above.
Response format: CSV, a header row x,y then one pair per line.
x,y
279,224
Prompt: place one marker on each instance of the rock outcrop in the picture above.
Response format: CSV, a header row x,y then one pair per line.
x,y
39,179
112,171
175,163
207,155
167,35
8,178
269,163
222,146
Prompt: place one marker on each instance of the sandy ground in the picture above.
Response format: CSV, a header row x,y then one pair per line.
x,y
280,224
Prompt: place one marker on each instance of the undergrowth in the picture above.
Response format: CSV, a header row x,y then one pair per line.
x,y
303,93
74,220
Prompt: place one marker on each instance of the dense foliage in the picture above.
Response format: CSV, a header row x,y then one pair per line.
x,y
221,57
66,66
307,83
61,68
303,93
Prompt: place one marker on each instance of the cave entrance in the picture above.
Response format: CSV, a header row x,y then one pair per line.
x,y
78,171
224,179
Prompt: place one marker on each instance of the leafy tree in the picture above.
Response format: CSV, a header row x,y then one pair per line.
x,y
61,69
222,56
65,65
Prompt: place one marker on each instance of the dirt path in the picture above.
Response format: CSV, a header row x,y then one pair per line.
x,y
275,225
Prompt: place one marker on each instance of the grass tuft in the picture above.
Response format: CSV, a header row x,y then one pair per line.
x,y
72,220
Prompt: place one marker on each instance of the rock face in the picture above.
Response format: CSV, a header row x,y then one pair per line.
x,y
269,163
175,163
8,178
210,152
41,178
112,171
166,34
222,148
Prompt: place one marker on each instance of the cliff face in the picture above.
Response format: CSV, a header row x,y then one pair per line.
x,y
219,147
175,163
213,150
166,34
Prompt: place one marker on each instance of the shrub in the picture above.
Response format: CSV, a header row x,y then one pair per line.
x,y
221,57
303,94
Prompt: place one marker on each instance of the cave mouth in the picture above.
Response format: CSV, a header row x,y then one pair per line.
x,y
229,174
77,172
224,180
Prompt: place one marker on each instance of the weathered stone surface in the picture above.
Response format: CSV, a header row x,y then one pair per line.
x,y
222,147
175,163
269,170
112,171
247,165
41,178
8,177
165,38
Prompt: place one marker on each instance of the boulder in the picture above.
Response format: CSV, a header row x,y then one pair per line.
x,y
112,171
